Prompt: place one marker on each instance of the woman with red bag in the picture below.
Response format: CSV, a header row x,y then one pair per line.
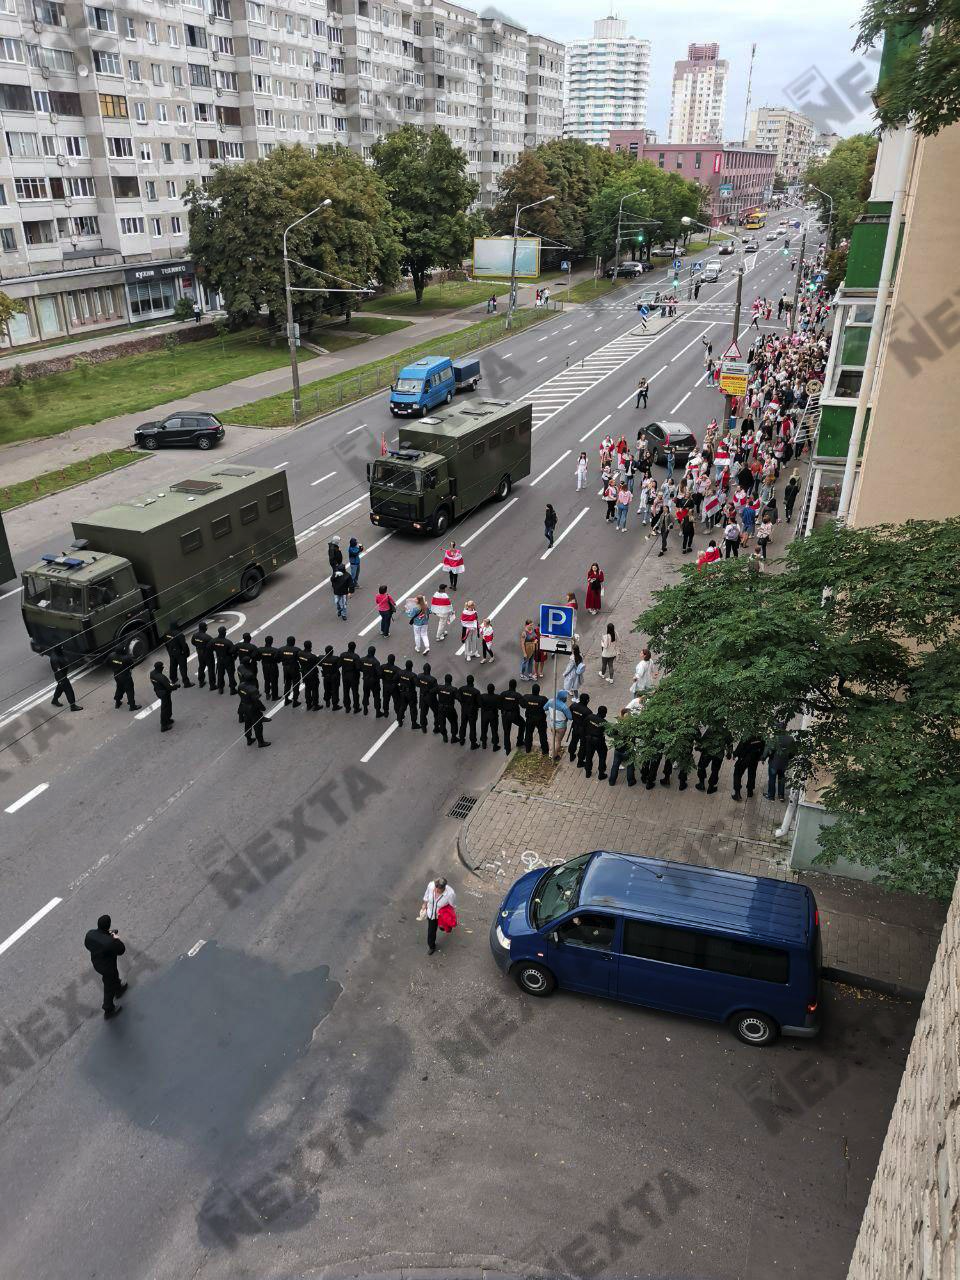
x,y
438,897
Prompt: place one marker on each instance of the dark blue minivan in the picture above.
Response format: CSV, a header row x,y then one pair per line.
x,y
744,950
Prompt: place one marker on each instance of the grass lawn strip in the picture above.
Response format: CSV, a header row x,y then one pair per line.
x,y
353,384
17,495
131,384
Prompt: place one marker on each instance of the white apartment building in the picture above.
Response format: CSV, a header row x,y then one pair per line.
x,y
607,82
791,135
698,103
108,110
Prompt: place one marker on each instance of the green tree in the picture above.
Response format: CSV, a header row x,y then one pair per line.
x,y
577,171
845,175
237,221
858,633
922,85
524,183
658,201
9,307
430,193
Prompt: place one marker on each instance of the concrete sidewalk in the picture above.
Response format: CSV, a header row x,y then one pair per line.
x,y
870,937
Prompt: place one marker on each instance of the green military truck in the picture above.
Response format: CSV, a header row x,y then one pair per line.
x,y
450,462
139,566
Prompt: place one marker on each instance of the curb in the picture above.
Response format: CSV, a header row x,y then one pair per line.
x,y
463,831
865,983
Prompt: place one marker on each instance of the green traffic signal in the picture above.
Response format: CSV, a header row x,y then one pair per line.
x,y
640,237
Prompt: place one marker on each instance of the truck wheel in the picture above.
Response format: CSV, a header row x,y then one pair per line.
x,y
251,583
203,442
441,519
136,645
503,488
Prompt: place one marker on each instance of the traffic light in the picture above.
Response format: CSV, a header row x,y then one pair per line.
x,y
640,237
812,287
676,280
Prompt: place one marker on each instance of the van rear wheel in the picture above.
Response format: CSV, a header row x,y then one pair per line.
x,y
136,645
534,979
503,489
754,1028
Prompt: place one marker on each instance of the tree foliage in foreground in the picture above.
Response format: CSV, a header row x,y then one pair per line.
x,y
923,84
845,175
859,635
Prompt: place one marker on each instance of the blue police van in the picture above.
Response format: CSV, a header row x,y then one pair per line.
x,y
742,950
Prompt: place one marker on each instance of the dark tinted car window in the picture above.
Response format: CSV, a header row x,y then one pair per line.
x,y
695,950
588,929
655,431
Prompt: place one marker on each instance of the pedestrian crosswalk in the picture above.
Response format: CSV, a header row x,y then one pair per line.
x,y
581,376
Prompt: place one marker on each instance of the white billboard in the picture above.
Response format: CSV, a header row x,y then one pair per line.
x,y
492,256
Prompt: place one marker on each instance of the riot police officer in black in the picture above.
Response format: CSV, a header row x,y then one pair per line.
x,y
511,705
290,661
427,694
407,695
578,713
388,675
350,674
330,671
163,688
61,669
469,696
202,641
269,658
177,651
248,653
536,720
225,655
490,717
447,705
310,676
370,674
121,664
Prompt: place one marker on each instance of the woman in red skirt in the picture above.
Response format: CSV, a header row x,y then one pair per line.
x,y
594,588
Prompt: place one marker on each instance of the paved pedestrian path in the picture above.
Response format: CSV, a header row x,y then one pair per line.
x,y
870,937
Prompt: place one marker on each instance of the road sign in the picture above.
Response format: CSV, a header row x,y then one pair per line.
x,y
557,620
726,189
698,266
734,384
556,644
677,264
733,352
564,266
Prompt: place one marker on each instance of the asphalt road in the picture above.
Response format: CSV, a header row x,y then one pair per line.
x,y
262,893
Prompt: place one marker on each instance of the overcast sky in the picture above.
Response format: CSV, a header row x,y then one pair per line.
x,y
791,37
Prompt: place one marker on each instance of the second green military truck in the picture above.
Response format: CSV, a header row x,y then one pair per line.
x,y
448,463
137,568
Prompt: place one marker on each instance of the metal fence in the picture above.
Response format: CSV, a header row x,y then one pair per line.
x,y
320,399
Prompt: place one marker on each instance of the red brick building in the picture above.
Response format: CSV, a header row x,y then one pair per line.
x,y
736,177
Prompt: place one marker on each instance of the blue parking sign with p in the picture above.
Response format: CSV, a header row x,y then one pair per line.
x,y
556,620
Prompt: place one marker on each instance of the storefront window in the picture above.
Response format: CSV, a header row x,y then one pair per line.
x,y
48,314
152,297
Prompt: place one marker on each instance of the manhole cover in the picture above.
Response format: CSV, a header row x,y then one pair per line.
x,y
462,807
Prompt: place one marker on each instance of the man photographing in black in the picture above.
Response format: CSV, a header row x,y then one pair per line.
x,y
105,946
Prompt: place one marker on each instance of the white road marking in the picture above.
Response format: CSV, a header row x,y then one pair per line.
x,y
598,328
351,506
701,378
328,476
194,657
693,340
502,512
493,612
277,706
507,378
550,468
280,466
575,521
542,358
31,795
680,402
573,342
596,428
364,759
354,430
15,937
565,327
7,594
544,338
628,399
405,595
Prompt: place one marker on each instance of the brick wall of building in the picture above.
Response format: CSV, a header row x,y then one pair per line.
x,y
911,1225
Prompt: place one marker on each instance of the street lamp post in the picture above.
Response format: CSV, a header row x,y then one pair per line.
x,y
616,260
513,259
291,330
826,196
687,222
796,285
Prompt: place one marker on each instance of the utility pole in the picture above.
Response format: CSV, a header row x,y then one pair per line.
x,y
292,338
513,258
796,287
728,403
